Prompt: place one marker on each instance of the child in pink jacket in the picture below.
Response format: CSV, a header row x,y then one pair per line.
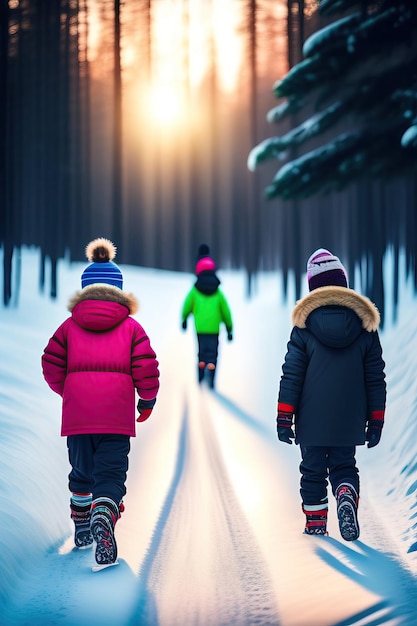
x,y
96,361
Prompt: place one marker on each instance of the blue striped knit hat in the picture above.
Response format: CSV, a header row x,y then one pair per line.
x,y
101,253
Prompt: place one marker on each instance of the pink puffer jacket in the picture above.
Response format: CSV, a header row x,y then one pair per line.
x,y
96,359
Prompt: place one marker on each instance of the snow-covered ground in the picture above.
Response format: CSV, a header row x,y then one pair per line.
x,y
212,532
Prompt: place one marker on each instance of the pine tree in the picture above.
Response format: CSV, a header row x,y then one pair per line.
x,y
356,91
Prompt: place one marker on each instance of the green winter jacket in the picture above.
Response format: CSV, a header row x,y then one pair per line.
x,y
209,311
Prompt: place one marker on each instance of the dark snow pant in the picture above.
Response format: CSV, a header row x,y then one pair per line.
x,y
208,348
99,465
337,463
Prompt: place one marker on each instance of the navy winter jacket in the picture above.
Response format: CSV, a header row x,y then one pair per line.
x,y
333,374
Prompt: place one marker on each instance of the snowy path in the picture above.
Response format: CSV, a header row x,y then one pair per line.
x,y
212,533
208,549
225,545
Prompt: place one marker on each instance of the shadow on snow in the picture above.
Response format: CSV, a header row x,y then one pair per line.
x,y
379,573
146,610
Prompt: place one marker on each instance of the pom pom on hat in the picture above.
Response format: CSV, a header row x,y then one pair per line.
x,y
101,253
324,269
203,250
100,250
204,261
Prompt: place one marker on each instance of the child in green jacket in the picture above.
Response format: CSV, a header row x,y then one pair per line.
x,y
207,303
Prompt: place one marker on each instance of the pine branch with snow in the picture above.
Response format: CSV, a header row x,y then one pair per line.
x,y
358,78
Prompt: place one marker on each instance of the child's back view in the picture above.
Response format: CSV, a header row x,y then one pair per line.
x,y
333,382
208,304
97,360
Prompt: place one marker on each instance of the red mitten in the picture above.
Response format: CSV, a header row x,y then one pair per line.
x,y
145,409
144,414
374,430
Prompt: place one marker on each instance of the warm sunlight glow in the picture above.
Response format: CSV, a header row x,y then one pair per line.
x,y
94,31
186,43
183,49
226,22
164,104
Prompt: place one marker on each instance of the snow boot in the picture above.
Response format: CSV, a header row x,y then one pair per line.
x,y
316,522
201,370
211,369
347,511
80,504
104,515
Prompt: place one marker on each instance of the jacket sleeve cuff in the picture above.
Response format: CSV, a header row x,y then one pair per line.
x,y
146,404
378,416
285,408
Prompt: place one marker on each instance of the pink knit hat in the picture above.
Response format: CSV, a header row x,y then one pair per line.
x,y
205,264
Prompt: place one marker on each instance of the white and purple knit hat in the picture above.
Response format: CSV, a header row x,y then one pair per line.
x,y
101,253
324,269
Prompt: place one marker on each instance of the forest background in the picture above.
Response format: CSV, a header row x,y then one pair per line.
x,y
134,120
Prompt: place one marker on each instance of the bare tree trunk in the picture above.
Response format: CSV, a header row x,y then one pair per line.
x,y
295,29
252,222
212,166
117,209
5,214
80,227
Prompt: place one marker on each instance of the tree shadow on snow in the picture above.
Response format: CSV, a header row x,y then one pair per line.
x,y
62,588
381,574
242,415
145,611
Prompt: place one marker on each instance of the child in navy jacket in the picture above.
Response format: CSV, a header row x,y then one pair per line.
x,y
333,384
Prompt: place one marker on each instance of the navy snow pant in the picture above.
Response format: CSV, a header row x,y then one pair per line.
x,y
337,463
208,347
99,465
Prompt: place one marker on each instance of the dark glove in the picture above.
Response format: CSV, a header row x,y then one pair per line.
x,y
184,325
145,409
284,422
374,430
229,335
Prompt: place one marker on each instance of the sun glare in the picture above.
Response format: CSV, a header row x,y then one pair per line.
x,y
185,45
186,41
164,104
228,44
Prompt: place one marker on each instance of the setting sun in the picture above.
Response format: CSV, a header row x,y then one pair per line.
x,y
170,57
164,104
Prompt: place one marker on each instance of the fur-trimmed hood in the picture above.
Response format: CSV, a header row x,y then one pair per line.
x,y
337,296
107,293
